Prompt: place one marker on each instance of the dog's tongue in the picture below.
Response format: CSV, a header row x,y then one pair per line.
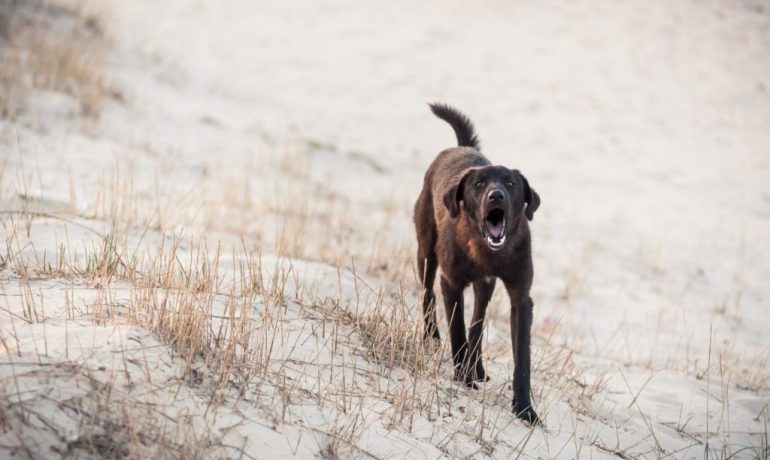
x,y
496,230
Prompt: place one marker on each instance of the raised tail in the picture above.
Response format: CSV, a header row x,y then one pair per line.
x,y
466,134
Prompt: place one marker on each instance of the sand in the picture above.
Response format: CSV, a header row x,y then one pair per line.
x,y
297,133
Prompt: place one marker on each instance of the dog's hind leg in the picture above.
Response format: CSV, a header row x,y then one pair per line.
x,y
482,293
453,302
427,262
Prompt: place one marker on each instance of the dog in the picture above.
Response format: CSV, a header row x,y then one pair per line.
x,y
472,220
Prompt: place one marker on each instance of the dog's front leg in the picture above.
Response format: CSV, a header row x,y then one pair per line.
x,y
453,302
521,324
482,292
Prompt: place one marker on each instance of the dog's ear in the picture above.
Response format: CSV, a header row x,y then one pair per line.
x,y
531,198
454,195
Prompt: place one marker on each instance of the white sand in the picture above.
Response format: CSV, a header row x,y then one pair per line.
x,y
643,126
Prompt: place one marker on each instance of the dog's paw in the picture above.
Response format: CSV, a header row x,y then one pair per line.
x,y
465,378
479,374
527,414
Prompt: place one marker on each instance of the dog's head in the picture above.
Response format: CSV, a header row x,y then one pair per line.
x,y
493,197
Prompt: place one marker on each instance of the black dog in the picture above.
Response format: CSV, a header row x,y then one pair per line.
x,y
471,220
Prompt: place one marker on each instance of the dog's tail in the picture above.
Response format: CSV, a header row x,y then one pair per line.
x,y
466,134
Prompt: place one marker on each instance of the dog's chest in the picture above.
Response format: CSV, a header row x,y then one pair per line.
x,y
476,262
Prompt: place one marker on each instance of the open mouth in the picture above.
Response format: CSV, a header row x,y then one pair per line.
x,y
494,228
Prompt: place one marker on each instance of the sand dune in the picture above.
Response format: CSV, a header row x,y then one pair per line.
x,y
209,249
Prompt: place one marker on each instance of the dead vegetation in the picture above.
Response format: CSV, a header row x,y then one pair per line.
x,y
250,332
240,324
46,46
87,413
255,332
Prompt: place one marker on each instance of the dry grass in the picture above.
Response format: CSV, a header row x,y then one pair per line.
x,y
228,325
239,325
233,323
110,423
229,329
50,47
252,332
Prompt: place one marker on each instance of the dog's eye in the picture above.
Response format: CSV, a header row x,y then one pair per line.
x,y
509,183
479,183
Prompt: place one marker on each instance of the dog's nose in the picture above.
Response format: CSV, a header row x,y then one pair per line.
x,y
495,196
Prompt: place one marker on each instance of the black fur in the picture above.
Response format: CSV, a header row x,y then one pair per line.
x,y
472,220
466,134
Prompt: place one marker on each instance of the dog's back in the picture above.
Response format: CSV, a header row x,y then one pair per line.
x,y
449,163
443,172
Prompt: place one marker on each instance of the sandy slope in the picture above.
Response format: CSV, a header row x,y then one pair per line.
x,y
643,126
